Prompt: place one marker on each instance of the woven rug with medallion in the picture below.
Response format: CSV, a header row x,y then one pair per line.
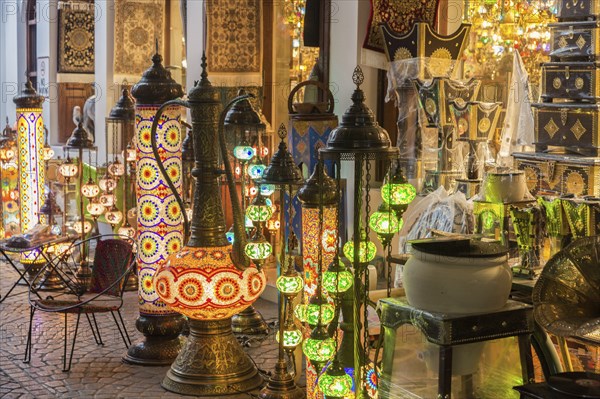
x,y
234,35
400,15
76,37
138,23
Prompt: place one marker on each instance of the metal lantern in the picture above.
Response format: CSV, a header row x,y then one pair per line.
x,y
209,280
159,217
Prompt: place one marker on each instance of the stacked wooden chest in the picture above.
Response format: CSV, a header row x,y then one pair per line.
x,y
567,122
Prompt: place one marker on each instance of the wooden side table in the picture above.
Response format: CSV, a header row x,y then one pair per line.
x,y
449,330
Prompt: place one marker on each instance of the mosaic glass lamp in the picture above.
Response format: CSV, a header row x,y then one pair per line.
x,y
367,249
258,210
68,169
107,183
337,279
319,347
385,223
318,311
335,383
397,191
90,189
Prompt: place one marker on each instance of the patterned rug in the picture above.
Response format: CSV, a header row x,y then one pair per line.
x,y
138,23
76,37
234,35
401,15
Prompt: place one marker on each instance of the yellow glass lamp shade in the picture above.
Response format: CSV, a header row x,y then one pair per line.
x,y
90,189
47,153
84,227
107,200
68,169
259,210
95,209
6,154
107,183
203,283
243,152
398,193
290,283
63,248
116,169
335,383
385,222
319,347
337,279
366,253
113,216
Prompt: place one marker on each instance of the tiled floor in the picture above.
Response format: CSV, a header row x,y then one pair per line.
x,y
97,371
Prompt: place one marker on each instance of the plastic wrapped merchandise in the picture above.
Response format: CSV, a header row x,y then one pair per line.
x,y
438,211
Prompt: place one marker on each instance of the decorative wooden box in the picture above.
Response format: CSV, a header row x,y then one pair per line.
x,y
575,40
559,174
573,126
577,9
571,80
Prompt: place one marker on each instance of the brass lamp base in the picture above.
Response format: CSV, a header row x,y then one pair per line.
x,y
281,385
161,342
51,282
212,363
249,322
132,283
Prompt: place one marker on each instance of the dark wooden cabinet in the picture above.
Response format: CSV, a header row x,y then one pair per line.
x,y
70,95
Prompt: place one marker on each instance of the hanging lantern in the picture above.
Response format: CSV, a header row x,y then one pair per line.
x,y
90,189
318,311
292,336
267,189
126,230
258,248
68,169
107,183
243,152
256,169
258,210
367,249
319,347
82,228
337,279
107,200
290,283
113,216
130,153
335,383
385,223
397,191
47,153
95,209
6,154
116,168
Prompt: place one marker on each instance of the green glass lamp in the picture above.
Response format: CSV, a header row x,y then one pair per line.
x,y
300,312
385,223
367,249
337,279
243,152
335,383
290,283
292,335
318,306
319,347
258,248
259,210
397,191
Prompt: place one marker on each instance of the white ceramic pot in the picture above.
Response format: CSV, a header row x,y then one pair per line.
x,y
505,187
463,281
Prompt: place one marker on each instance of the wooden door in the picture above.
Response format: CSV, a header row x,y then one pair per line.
x,y
70,95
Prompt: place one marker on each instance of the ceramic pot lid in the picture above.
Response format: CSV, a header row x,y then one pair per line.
x,y
459,247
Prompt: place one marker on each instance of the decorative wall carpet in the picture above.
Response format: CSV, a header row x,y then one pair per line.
x,y
401,15
76,37
138,23
234,29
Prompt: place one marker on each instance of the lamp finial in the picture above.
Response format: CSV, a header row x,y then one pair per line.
x,y
204,74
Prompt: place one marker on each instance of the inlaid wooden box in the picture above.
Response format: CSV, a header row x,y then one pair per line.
x,y
579,40
571,80
577,9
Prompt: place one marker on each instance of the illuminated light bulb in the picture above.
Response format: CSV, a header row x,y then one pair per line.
x,y
113,216
107,200
68,168
319,347
95,209
337,278
90,189
335,383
